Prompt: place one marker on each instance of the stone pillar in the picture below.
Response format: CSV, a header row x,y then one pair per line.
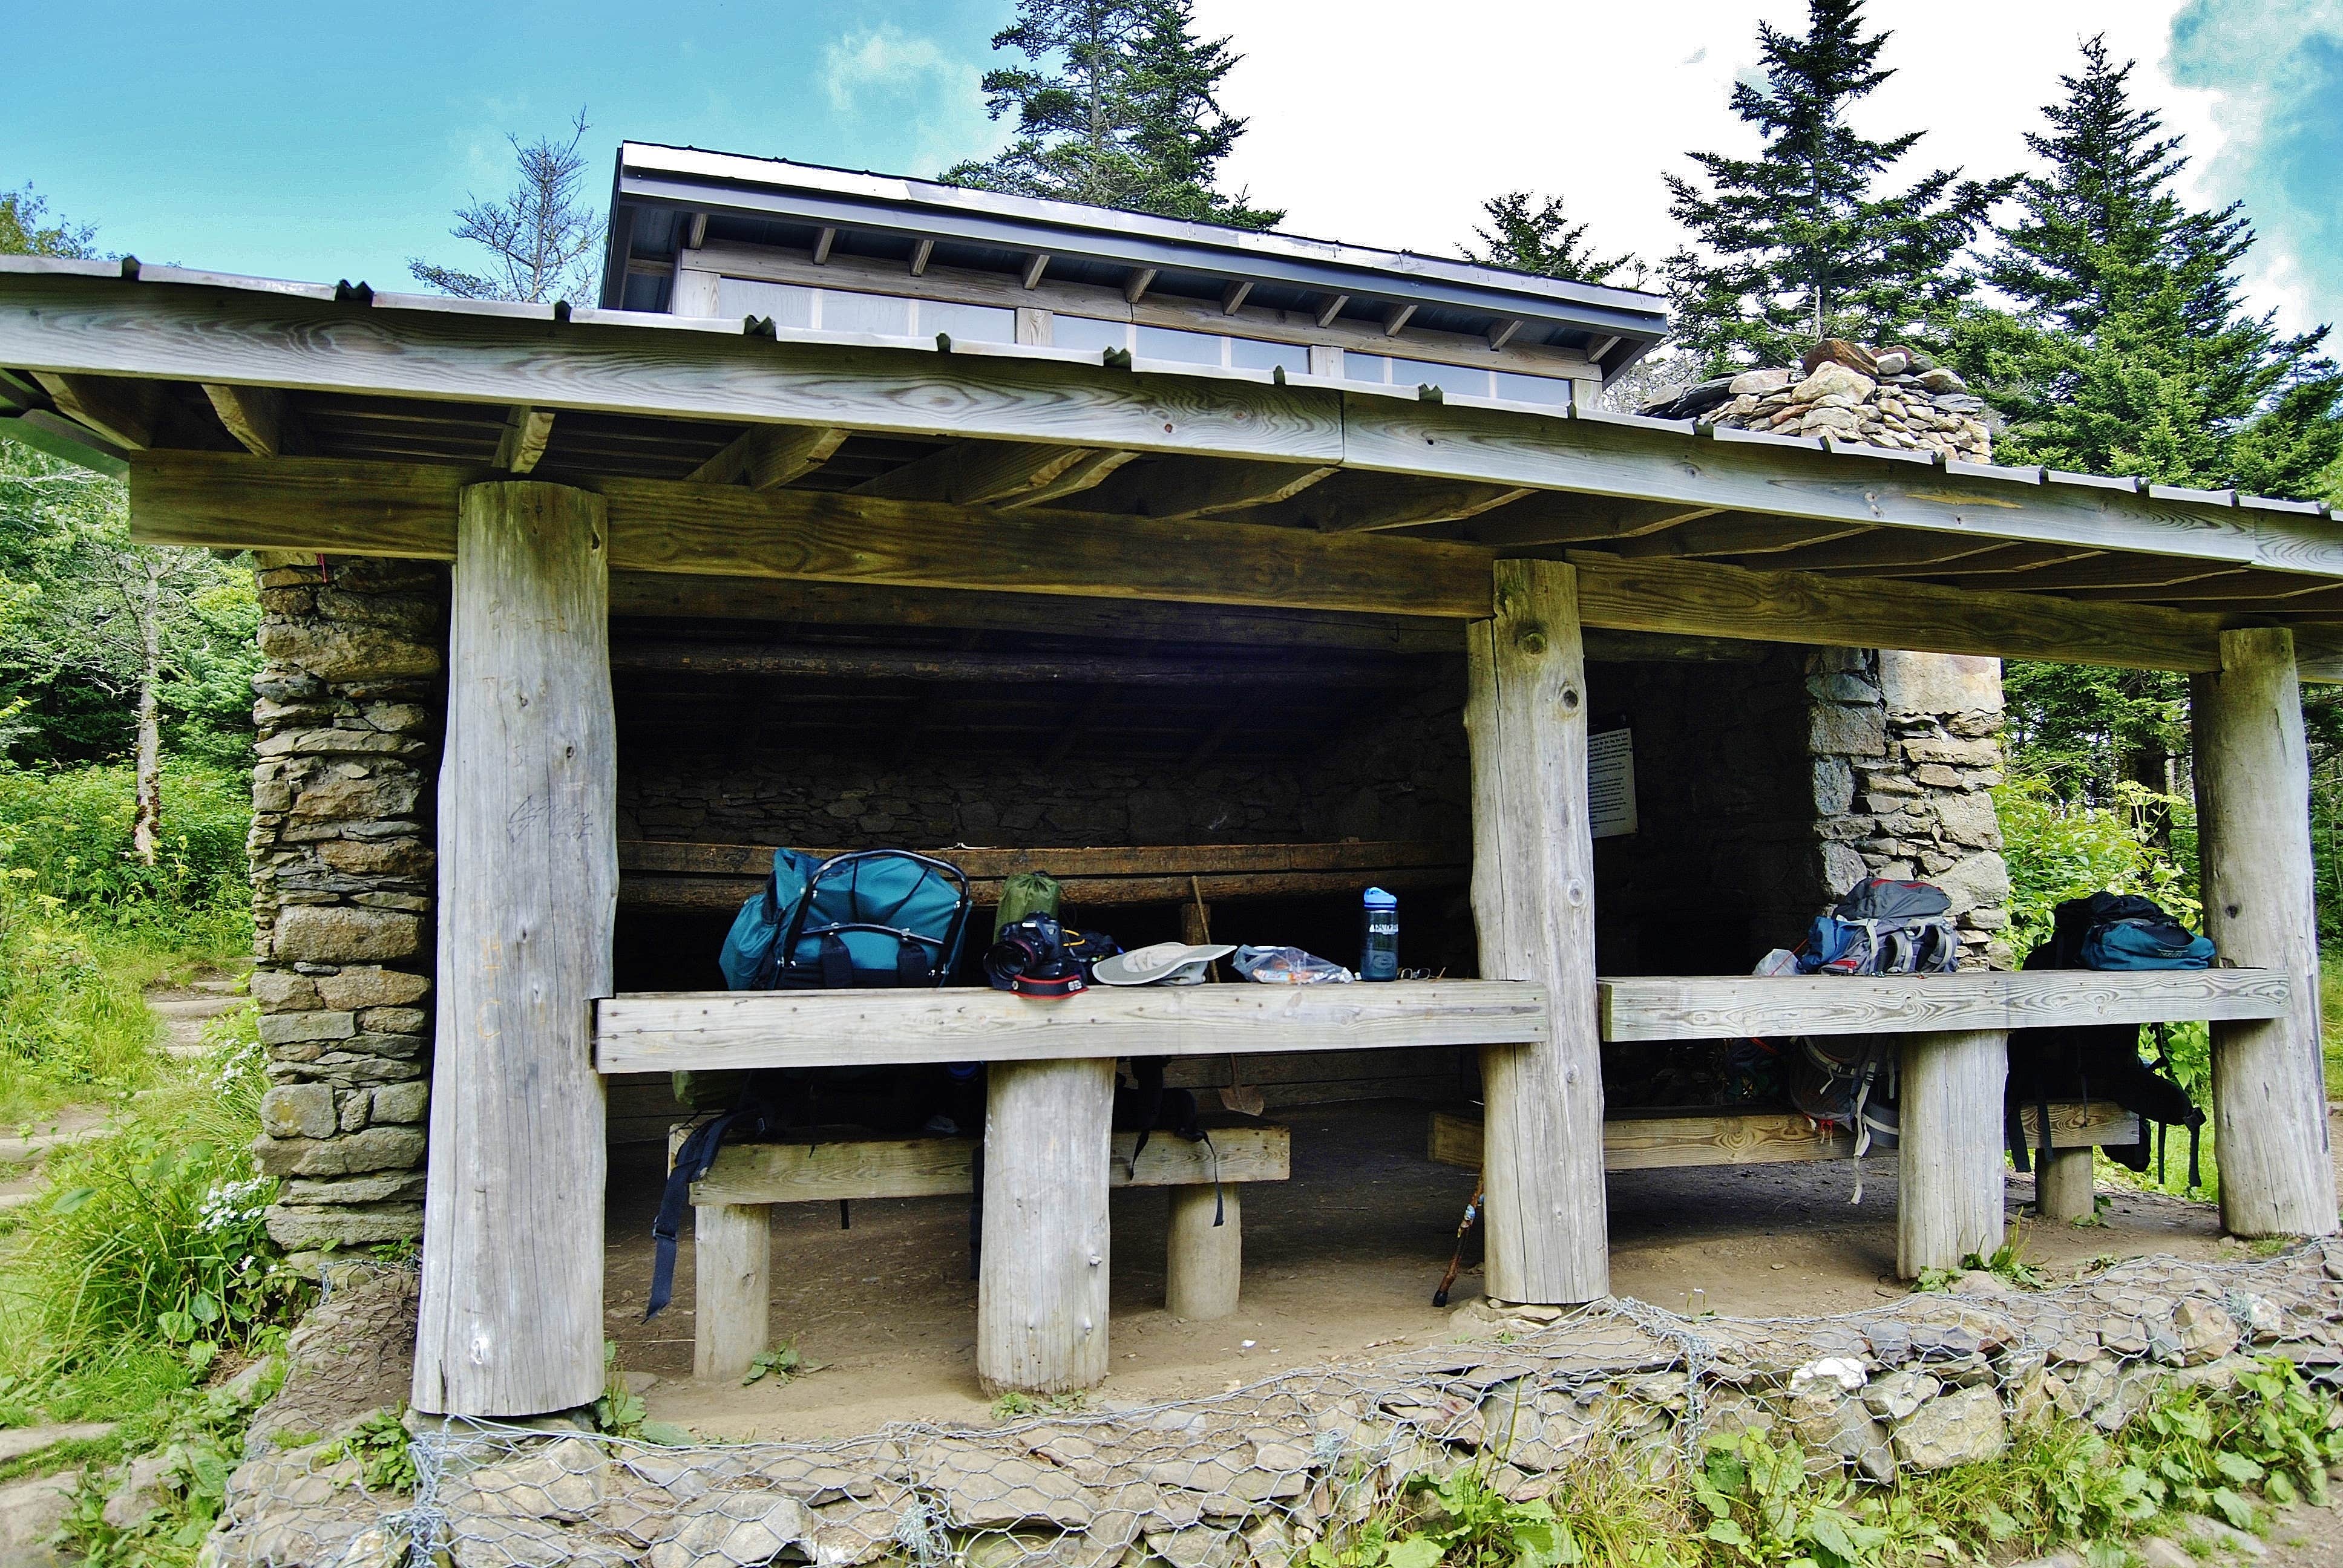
x,y
348,713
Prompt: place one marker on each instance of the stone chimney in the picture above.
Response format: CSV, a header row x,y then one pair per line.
x,y
1905,745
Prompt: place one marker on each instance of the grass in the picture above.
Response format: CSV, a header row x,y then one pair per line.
x,y
2330,1009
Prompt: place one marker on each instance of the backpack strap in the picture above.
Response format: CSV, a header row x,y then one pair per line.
x,y
691,1162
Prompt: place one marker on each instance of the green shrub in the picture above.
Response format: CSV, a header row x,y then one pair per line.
x,y
71,828
2059,849
68,1020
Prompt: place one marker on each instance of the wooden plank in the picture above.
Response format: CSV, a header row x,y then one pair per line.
x,y
1633,1141
855,1167
660,1032
1085,473
976,473
1205,489
510,1319
1733,534
1949,1148
1712,598
1203,1262
261,418
1041,1281
766,456
664,892
235,335
404,509
732,1273
528,432
1733,1006
123,412
856,662
1359,502
1569,519
1070,864
1534,904
2252,772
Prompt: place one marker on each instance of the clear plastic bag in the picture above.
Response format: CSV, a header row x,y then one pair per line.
x,y
1288,966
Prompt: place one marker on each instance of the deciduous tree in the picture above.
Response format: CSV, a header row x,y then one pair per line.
x,y
544,240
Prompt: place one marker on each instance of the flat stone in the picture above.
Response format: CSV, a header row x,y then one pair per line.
x,y
565,1480
1757,383
1938,683
732,1529
1836,730
364,796
366,987
291,1028
1899,1395
1980,880
277,991
404,1102
298,1111
375,1149
1827,379
339,651
1940,379
30,1513
17,1441
140,1492
2206,1331
1952,1429
381,1187
295,1229
338,934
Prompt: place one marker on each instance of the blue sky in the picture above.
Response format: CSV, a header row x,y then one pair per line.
x,y
269,138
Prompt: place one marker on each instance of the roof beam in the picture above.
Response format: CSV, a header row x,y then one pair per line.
x,y
1174,489
1331,306
122,411
1881,548
923,250
522,446
1035,266
766,456
990,473
1603,346
698,235
1233,296
1504,331
822,241
261,418
1137,282
1544,519
1364,503
1396,318
1733,534
66,441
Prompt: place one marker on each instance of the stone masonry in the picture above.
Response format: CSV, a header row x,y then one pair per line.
x,y
349,713
1905,745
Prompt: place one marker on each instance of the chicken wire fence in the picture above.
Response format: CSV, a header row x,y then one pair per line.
x,y
1256,1475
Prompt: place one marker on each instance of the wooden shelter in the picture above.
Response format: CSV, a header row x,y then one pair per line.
x,y
653,458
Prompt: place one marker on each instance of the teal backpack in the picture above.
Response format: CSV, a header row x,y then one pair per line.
x,y
867,918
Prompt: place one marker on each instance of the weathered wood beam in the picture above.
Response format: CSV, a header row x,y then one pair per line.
x,y
2001,557
986,473
1949,1160
1732,534
766,456
852,662
122,411
1042,1284
1552,519
1035,266
1362,503
1166,489
1504,332
66,440
923,250
1878,550
1330,308
261,418
823,243
1711,598
1232,297
1396,318
2122,575
528,432
1086,473
1136,283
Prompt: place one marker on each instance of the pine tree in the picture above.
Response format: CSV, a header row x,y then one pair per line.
x,y
1800,242
1118,107
543,241
1544,241
2129,350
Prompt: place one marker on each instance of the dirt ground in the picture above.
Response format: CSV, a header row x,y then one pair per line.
x,y
1340,1261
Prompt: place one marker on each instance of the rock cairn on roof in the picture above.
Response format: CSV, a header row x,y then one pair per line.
x,y
1892,397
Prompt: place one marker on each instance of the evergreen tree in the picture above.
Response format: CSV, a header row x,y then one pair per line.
x,y
1800,242
544,242
1544,241
1119,106
2129,349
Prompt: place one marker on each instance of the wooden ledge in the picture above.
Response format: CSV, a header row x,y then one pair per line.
x,y
1734,1007
663,1032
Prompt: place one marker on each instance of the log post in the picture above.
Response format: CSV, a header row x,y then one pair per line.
x,y
2062,1185
1534,901
1949,1160
1040,1292
732,1273
1203,1262
2253,834
510,1320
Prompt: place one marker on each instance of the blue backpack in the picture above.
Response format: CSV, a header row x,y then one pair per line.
x,y
867,918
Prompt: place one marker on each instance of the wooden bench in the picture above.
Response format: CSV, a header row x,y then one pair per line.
x,y
732,1229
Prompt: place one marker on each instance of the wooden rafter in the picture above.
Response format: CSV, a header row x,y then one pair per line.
x,y
528,432
1361,503
996,473
1733,534
1551,519
765,456
123,412
1172,489
261,418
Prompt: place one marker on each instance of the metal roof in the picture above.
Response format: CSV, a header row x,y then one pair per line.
x,y
773,201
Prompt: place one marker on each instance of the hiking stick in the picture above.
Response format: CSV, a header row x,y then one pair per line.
x,y
1456,1263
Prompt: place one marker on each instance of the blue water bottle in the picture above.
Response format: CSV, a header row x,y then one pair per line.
x,y
1379,944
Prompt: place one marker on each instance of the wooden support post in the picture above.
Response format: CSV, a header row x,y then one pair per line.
x,y
510,1321
2253,835
1040,1293
732,1265
2062,1185
1534,901
1203,1261
1950,1141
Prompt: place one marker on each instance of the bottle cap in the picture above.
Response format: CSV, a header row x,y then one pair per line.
x,y
1376,899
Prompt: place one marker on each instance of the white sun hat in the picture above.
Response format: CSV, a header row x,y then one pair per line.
x,y
1162,963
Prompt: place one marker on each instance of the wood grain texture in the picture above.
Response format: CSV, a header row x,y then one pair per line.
x,y
662,892
1534,903
1041,1280
1730,1007
1712,598
660,1032
2062,1185
764,456
260,417
510,1321
1073,864
2252,773
854,1168
732,1268
1668,1141
1204,1253
218,499
1949,1159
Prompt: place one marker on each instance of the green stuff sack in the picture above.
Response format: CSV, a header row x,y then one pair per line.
x,y
1026,893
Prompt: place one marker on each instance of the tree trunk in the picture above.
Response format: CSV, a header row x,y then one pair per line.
x,y
146,826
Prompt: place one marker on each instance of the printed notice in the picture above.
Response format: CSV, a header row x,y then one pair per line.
x,y
1611,782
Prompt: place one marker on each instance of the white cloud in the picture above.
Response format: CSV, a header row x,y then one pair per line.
x,y
914,94
1386,132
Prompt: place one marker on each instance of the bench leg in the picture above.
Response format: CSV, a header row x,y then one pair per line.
x,y
1203,1261
2062,1185
1042,1283
732,1250
1950,1164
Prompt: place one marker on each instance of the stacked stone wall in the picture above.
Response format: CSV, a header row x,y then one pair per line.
x,y
348,713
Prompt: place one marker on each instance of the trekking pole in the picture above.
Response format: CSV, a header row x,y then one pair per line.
x,y
1456,1263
